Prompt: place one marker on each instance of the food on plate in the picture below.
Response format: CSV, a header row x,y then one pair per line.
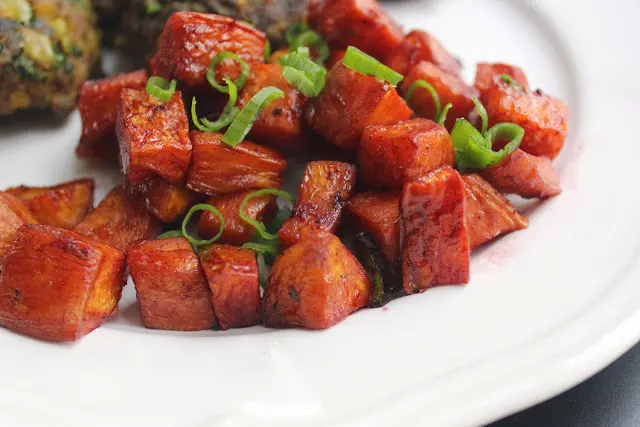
x,y
63,205
410,187
170,285
48,48
57,285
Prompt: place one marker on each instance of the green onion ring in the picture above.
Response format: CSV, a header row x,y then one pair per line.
x,y
359,61
442,118
313,39
305,75
170,235
262,248
259,226
294,32
508,79
160,88
239,82
228,115
263,269
482,112
434,94
187,218
267,50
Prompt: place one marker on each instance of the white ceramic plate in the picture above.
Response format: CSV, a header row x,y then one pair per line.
x,y
546,307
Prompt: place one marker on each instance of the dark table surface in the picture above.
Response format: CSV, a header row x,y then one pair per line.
x,y
610,398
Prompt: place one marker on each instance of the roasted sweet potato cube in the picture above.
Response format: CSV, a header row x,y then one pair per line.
x,y
486,77
63,205
153,137
544,118
232,274
360,23
13,215
165,201
350,102
421,46
435,249
119,220
190,40
379,215
57,285
489,214
236,231
393,155
525,175
315,284
171,287
98,104
280,124
450,88
217,168
325,188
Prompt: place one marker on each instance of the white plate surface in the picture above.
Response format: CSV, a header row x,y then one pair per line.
x,y
546,307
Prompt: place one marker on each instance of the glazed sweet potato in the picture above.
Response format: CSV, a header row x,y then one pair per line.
x,y
280,124
171,287
153,137
119,220
350,102
217,168
325,188
544,118
57,285
525,175
435,249
421,46
236,231
450,88
232,274
486,73
379,215
488,213
190,40
315,284
393,155
165,201
63,205
98,104
13,215
360,23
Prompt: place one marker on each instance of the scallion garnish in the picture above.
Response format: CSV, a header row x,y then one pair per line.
x,y
267,51
474,149
302,73
243,122
170,235
239,82
507,78
442,118
229,113
263,269
441,113
259,226
359,61
160,88
152,6
312,39
294,32
482,112
262,248
187,218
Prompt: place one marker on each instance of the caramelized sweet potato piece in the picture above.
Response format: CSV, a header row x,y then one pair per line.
x,y
488,213
450,88
393,155
236,231
153,137
525,175
57,285
435,250
485,74
165,201
13,215
325,188
315,284
350,102
379,215
232,274
544,118
217,168
119,220
171,287
190,40
98,104
63,205
360,23
280,124
421,46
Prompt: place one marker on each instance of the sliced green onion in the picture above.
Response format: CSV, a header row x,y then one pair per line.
x,y
239,82
442,118
482,112
262,248
229,113
305,75
434,94
170,235
160,88
244,121
267,51
279,219
359,61
294,32
507,78
310,38
259,226
263,269
192,211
